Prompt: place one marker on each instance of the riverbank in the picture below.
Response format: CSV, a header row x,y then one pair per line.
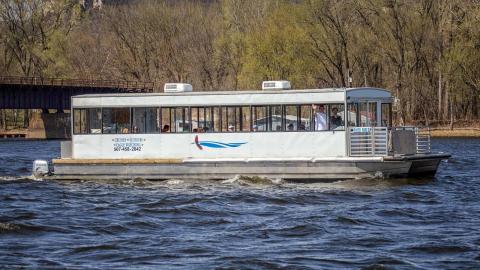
x,y
456,132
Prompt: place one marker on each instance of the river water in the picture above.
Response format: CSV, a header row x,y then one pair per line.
x,y
241,223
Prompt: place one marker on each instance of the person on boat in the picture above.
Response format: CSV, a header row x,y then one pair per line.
x,y
320,117
335,119
166,128
231,128
290,127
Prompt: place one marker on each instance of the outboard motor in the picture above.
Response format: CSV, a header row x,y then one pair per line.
x,y
40,168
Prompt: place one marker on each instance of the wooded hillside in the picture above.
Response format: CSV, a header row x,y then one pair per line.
x,y
426,52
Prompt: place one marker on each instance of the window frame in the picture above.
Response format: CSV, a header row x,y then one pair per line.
x,y
390,114
216,118
146,110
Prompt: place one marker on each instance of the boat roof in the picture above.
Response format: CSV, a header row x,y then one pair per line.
x,y
233,92
232,98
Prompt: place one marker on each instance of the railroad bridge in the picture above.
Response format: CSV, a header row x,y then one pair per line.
x,y
56,93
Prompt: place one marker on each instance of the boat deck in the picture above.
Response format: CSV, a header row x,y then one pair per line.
x,y
290,169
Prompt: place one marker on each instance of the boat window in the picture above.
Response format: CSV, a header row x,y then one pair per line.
x,y
116,120
363,114
368,114
291,117
202,119
94,120
259,116
227,121
196,118
372,114
231,119
80,121
337,117
386,114
166,120
224,119
217,119
305,118
208,125
182,120
352,117
245,120
234,119
275,118
145,120
320,116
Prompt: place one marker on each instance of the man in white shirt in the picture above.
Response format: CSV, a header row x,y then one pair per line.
x,y
320,117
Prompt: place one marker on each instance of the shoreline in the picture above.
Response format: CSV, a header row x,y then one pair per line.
x,y
455,133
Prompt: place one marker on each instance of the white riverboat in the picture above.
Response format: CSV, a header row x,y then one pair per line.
x,y
275,132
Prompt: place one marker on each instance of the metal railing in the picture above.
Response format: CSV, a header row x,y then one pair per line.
x,y
128,85
368,141
422,138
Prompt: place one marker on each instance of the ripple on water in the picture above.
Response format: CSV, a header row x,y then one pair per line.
x,y
242,223
23,228
296,231
440,248
92,248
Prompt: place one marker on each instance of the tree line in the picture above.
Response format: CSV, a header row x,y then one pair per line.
x,y
427,52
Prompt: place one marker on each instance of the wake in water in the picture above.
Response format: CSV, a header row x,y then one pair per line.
x,y
253,181
19,178
244,181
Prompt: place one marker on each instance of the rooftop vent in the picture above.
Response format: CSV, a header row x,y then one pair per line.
x,y
276,85
177,87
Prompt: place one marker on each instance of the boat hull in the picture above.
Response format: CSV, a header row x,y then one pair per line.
x,y
296,169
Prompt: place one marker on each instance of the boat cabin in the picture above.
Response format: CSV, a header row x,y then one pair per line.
x,y
273,123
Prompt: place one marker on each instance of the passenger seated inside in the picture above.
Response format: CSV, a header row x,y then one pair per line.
x,y
166,128
290,127
335,119
231,128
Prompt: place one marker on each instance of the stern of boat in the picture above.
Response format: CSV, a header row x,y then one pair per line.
x,y
401,145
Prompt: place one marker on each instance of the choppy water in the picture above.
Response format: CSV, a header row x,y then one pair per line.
x,y
240,224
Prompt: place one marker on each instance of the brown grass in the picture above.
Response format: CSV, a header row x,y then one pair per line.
x,y
456,132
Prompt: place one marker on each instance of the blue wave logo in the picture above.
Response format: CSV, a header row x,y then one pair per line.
x,y
214,144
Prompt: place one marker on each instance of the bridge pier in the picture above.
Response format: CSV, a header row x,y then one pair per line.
x,y
49,126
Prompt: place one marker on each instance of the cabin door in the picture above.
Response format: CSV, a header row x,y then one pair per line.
x,y
368,113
